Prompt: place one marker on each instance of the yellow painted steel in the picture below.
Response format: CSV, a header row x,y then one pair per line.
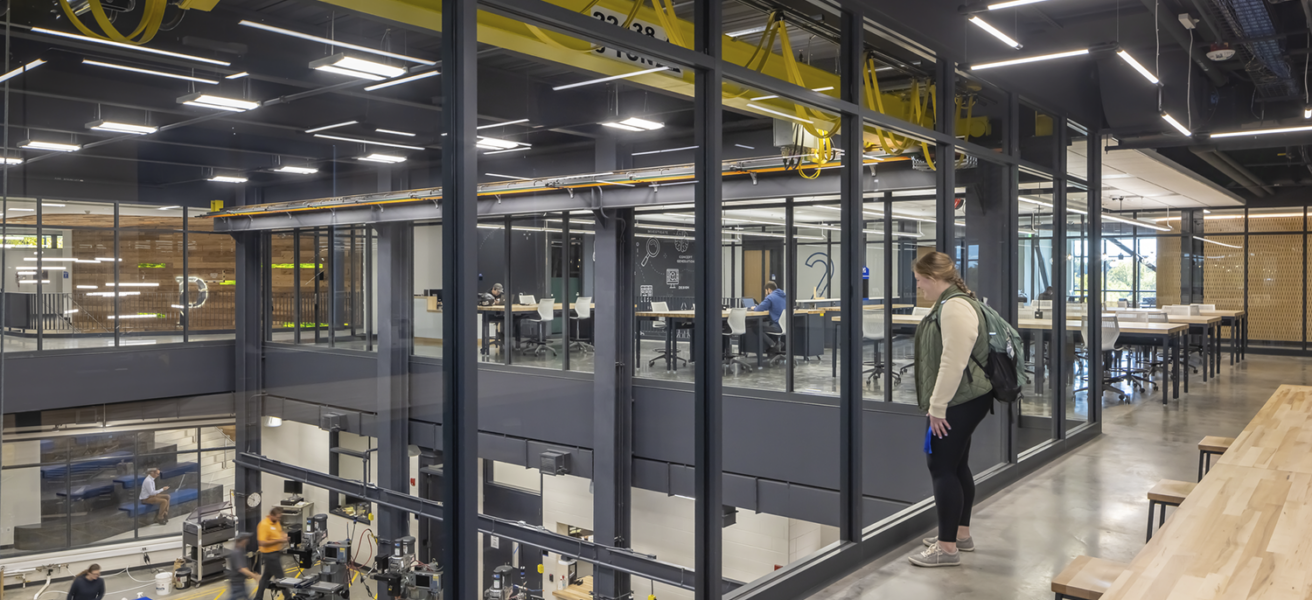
x,y
908,105
151,19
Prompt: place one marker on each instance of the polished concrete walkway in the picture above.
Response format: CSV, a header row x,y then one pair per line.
x,y
1091,501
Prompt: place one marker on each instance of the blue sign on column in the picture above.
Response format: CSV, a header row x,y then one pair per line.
x,y
865,272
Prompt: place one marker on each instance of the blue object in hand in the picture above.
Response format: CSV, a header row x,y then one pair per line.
x,y
929,433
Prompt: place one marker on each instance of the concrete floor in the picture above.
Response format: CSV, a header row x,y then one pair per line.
x,y
126,586
1091,501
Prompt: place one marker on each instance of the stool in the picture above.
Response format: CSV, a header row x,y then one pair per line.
x,y
1087,578
1211,445
1167,492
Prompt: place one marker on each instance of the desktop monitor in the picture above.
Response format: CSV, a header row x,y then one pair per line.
x,y
292,487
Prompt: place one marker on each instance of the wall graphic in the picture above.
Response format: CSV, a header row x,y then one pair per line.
x,y
820,264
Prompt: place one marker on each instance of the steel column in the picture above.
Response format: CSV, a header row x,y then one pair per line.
x,y
395,339
1060,137
790,290
708,402
1093,308
249,366
853,252
886,205
945,156
612,416
459,85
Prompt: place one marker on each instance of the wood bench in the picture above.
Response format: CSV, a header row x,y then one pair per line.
x,y
1210,446
1087,578
1167,492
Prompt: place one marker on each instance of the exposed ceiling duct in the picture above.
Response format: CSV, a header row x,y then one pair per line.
x,y
1250,20
1233,170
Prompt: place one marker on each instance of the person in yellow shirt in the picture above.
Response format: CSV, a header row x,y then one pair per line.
x,y
272,540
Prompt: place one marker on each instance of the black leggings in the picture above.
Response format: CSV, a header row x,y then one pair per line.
x,y
949,465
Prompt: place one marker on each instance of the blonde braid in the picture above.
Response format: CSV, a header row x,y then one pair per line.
x,y
961,285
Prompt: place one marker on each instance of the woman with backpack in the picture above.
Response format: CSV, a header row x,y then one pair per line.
x,y
951,348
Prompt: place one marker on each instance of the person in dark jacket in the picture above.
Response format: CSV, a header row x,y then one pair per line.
x,y
87,585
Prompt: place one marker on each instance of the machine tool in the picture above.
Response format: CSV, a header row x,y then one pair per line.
x,y
505,579
393,564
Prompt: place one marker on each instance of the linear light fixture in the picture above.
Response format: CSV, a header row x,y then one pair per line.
x,y
819,89
513,177
360,141
382,158
96,63
664,151
23,69
112,284
993,31
489,143
324,40
238,75
51,146
160,208
12,161
344,64
515,122
636,124
748,31
611,78
1261,132
1107,216
218,102
1021,61
1138,67
22,210
122,127
387,84
1012,3
507,150
33,281
227,179
297,170
747,147
85,287
333,126
784,115
1211,241
1307,112
114,294
395,132
50,258
150,316
1176,124
82,38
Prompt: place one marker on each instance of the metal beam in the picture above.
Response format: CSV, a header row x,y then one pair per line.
x,y
395,339
945,157
249,378
460,547
1093,248
620,559
853,252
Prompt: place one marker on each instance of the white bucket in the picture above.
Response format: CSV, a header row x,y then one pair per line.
x,y
163,584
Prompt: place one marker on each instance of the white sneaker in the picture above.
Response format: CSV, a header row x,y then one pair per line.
x,y
934,556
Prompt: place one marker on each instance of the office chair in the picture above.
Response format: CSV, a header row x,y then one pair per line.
x,y
659,324
1139,368
546,319
1189,310
872,330
778,352
1206,308
1111,332
582,312
737,328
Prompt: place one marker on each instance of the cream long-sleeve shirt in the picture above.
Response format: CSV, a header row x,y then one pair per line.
x,y
960,328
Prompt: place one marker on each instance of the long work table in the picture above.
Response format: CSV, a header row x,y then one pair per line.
x,y
683,319
1244,531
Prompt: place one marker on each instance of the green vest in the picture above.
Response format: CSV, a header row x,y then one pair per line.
x,y
929,353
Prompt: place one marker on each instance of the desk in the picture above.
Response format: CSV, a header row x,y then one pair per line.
x,y
1244,531
517,311
1237,321
1166,334
672,316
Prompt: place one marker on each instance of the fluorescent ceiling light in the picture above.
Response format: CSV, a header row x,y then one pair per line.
x,y
501,151
323,40
227,179
51,146
1261,132
1176,124
12,161
96,63
82,38
747,147
748,31
1107,216
112,284
333,126
162,208
394,132
85,287
297,170
636,124
49,258
611,78
34,281
1307,112
621,126
52,204
496,144
237,75
1012,3
218,102
122,127
514,177
383,158
23,209
360,141
23,69
1138,67
784,115
1210,241
151,316
1021,61
387,84
343,64
515,122
993,31
819,89
664,151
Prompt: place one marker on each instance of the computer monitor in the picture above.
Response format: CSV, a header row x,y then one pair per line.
x,y
292,487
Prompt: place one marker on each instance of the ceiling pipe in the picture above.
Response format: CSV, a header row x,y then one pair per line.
x,y
1170,23
1232,170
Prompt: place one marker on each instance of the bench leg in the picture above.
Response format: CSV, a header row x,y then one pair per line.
x,y
1200,464
1152,506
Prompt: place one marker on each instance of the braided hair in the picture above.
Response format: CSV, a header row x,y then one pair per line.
x,y
939,266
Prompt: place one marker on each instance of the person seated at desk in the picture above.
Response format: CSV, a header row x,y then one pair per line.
x,y
1047,294
775,301
494,297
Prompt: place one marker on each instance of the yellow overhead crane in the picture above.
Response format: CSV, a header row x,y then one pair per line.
x,y
913,105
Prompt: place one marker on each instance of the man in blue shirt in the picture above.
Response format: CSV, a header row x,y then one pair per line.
x,y
774,302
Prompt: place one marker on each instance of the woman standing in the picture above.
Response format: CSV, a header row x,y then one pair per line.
x,y
87,585
951,345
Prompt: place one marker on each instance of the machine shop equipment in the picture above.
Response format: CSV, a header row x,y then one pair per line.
x,y
204,533
393,563
505,579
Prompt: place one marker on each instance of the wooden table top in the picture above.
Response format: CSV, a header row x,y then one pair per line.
x,y
688,314
1246,530
824,309
521,308
1205,313
1046,325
